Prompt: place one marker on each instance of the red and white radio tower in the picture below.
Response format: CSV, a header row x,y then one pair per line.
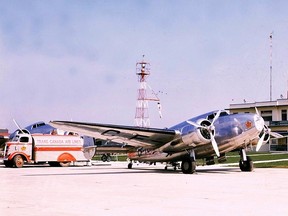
x,y
142,114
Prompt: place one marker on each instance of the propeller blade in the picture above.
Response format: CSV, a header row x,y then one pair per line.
x,y
18,126
275,135
257,112
214,144
15,122
260,142
211,127
216,117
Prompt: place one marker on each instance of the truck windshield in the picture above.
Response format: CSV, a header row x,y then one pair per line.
x,y
15,138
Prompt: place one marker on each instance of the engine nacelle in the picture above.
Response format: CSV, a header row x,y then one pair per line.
x,y
199,135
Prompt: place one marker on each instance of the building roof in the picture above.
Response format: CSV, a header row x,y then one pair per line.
x,y
278,102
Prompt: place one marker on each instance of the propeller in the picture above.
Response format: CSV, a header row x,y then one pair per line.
x,y
257,112
210,128
266,131
21,130
260,142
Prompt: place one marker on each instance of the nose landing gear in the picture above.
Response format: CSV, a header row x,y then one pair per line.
x,y
245,163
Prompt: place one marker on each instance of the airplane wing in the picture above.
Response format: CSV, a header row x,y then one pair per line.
x,y
129,135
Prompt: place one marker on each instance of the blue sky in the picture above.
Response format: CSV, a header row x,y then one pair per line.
x,y
63,60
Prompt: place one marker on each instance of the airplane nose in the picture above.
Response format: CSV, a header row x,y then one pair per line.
x,y
259,122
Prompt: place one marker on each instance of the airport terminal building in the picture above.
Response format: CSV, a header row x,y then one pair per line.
x,y
276,118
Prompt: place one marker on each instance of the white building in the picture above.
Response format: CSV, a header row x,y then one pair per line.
x,y
275,115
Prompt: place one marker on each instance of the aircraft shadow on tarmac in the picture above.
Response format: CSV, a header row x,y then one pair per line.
x,y
137,170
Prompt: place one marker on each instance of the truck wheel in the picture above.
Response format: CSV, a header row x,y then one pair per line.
x,y
8,163
65,164
18,161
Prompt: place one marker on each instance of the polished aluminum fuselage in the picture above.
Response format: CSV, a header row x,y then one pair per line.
x,y
204,136
231,132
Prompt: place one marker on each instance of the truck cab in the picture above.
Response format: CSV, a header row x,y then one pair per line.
x,y
18,150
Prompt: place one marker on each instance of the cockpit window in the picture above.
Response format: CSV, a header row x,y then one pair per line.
x,y
38,125
15,139
224,113
212,116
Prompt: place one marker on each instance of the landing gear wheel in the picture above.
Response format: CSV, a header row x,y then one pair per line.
x,y
104,158
18,161
130,166
246,166
188,166
108,158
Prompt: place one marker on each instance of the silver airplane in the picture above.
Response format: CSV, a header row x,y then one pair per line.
x,y
203,137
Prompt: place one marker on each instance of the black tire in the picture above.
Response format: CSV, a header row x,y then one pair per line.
x,y
54,164
246,166
188,166
104,158
8,163
64,164
18,161
109,158
130,166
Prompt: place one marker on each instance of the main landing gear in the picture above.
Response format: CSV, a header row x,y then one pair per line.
x,y
245,163
106,157
130,165
188,166
175,165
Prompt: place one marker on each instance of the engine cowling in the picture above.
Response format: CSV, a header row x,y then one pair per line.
x,y
199,135
204,131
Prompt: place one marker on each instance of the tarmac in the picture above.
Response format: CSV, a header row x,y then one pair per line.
x,y
112,189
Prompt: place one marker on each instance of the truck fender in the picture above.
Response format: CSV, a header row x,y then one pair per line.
x,y
25,156
66,157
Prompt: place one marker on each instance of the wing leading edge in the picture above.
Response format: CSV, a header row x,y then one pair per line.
x,y
133,136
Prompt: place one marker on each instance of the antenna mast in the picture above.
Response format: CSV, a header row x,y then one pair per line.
x,y
271,66
142,114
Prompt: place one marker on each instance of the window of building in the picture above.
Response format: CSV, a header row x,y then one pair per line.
x,y
284,115
267,115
